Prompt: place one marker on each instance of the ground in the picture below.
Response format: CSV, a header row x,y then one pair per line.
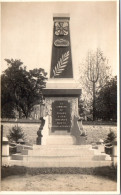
x,y
75,179
58,182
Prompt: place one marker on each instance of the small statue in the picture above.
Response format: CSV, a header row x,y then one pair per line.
x,y
82,131
39,133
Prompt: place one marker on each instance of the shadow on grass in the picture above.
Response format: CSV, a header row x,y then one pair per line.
x,y
107,172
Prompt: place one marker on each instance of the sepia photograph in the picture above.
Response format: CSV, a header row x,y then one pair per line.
x,y
60,97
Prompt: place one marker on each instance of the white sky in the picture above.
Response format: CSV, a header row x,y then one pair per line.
x,y
27,31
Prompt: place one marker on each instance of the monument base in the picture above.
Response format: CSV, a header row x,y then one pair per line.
x,y
61,137
61,107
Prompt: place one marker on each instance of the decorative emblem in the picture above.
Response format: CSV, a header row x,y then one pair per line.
x,y
62,63
61,28
61,43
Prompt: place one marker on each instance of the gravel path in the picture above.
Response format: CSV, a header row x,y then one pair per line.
x,y
57,182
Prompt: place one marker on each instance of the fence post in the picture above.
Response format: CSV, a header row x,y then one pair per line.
x,y
114,152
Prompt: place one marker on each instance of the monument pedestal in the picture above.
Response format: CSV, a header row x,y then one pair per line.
x,y
61,105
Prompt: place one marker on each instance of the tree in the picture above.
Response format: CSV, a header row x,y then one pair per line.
x,y
106,101
94,74
21,88
15,134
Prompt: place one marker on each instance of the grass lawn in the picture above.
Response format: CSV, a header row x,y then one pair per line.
x,y
110,123
108,171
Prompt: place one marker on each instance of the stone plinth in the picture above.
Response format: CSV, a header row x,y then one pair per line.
x,y
61,105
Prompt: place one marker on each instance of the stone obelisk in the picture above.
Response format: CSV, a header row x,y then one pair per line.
x,y
61,62
61,93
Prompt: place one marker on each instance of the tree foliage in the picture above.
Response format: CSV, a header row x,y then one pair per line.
x,y
94,73
21,89
106,101
94,67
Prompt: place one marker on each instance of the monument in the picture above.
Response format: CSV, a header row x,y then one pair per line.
x,y
61,93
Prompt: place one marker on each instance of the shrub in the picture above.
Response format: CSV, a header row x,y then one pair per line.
x,y
108,142
15,134
110,137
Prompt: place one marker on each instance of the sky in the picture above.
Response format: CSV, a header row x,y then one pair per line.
x,y
27,31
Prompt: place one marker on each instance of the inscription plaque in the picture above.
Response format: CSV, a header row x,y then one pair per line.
x,y
61,115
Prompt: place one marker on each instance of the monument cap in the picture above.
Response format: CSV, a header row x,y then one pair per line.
x,y
61,15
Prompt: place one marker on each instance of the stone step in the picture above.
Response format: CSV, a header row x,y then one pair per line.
x,y
17,156
64,158
36,147
58,158
60,132
61,156
60,152
61,140
61,164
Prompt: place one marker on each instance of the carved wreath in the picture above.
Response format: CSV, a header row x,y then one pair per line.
x,y
62,63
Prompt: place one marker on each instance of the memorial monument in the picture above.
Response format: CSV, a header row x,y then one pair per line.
x,y
61,93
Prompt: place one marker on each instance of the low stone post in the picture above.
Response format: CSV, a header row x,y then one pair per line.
x,y
5,151
1,141
19,148
5,147
114,152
